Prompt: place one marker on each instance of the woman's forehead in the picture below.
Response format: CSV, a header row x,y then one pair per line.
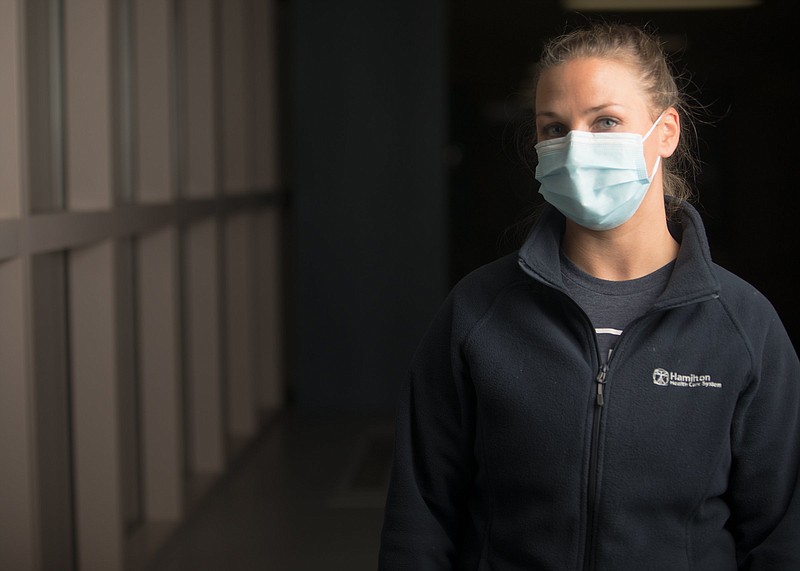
x,y
590,81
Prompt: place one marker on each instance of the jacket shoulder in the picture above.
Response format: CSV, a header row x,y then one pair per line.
x,y
492,277
476,293
754,315
744,299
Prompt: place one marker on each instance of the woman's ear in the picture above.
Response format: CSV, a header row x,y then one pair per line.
x,y
669,132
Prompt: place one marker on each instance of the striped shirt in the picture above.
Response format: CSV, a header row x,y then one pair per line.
x,y
612,305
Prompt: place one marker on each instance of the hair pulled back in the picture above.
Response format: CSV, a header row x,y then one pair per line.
x,y
643,53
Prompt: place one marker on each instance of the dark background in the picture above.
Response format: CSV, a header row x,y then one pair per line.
x,y
404,170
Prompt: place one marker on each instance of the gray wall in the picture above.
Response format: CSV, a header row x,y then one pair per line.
x,y
367,208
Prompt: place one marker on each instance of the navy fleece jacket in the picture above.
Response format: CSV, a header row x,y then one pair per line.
x,y
506,459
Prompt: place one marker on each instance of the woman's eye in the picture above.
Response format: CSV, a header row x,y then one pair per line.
x,y
607,123
553,131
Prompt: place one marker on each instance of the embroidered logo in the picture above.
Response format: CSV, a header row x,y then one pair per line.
x,y
665,378
661,377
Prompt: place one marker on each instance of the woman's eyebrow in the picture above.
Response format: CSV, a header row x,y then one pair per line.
x,y
597,108
593,109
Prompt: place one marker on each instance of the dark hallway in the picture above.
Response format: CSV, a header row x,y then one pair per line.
x,y
308,495
226,225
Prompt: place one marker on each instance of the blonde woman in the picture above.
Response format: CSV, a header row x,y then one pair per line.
x,y
606,398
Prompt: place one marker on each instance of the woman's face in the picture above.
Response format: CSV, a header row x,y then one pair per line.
x,y
595,95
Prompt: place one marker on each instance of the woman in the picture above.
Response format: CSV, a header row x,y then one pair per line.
x,y
606,398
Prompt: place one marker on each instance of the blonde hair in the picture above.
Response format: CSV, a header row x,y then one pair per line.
x,y
641,51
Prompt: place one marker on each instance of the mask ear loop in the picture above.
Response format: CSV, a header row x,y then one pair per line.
x,y
644,138
653,126
655,168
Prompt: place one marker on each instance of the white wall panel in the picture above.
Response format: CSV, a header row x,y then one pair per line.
x,y
50,365
154,124
88,92
10,108
268,300
160,377
95,414
139,329
236,115
239,327
264,70
202,334
199,140
17,545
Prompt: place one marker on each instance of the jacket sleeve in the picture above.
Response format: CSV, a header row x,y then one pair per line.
x,y
433,464
766,457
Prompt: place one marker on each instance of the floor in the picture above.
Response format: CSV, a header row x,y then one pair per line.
x,y
307,495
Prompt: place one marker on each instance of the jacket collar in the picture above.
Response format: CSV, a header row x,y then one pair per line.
x,y
693,277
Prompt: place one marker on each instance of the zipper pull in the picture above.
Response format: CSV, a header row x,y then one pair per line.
x,y
601,380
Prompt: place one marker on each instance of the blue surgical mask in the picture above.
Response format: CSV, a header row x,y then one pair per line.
x,y
597,180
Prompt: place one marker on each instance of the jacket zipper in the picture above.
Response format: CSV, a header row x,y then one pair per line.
x,y
594,464
591,499
601,379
